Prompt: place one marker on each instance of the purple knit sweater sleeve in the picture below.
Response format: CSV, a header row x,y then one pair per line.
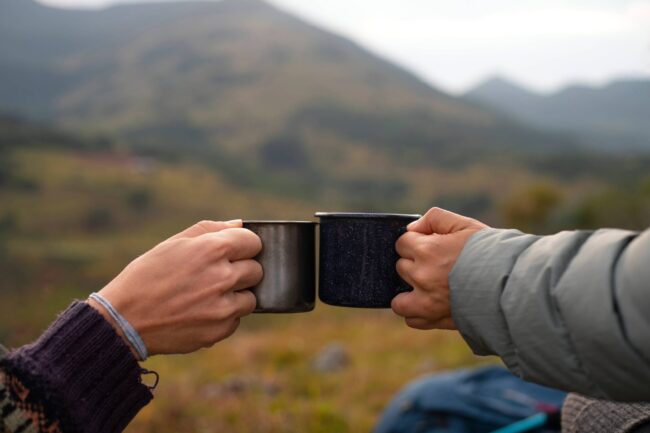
x,y
82,372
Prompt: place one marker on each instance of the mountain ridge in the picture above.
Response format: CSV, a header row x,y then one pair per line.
x,y
251,91
611,116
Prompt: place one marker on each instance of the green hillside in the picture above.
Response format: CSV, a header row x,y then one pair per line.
x,y
268,100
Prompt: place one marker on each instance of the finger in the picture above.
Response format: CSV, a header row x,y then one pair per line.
x,y
405,269
249,274
206,226
406,305
245,303
405,245
238,243
417,304
419,323
440,221
232,327
447,323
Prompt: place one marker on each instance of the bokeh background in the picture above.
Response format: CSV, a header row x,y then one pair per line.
x,y
121,125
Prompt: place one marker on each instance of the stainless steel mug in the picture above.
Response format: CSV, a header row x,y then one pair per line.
x,y
358,257
288,258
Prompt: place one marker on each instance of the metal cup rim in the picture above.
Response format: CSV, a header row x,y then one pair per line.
x,y
366,215
278,222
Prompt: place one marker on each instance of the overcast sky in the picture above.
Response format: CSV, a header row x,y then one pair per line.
x,y
453,44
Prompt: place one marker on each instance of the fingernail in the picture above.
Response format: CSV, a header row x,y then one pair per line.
x,y
236,222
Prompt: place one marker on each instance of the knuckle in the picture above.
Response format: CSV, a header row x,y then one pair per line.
x,y
257,240
220,314
207,339
405,241
421,277
402,241
476,224
223,246
250,302
258,272
416,323
180,243
204,224
233,327
202,249
398,304
402,267
429,304
208,226
229,308
232,310
422,247
434,212
227,276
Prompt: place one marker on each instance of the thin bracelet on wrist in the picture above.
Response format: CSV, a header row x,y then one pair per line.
x,y
129,331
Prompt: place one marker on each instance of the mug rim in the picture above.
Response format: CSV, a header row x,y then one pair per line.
x,y
365,215
277,222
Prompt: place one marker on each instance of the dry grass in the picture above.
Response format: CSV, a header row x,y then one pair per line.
x,y
262,378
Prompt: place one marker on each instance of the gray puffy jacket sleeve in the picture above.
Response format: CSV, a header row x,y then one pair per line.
x,y
570,311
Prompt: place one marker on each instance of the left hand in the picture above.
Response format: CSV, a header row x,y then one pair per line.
x,y
428,251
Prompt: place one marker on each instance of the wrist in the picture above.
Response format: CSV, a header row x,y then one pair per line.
x,y
105,314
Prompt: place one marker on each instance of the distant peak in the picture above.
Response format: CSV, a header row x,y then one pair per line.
x,y
499,83
247,3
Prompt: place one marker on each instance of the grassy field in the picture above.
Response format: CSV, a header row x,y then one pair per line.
x,y
263,378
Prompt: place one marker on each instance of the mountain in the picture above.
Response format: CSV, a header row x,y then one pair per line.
x,y
614,116
242,84
505,95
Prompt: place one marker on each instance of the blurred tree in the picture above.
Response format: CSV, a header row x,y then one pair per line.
x,y
620,208
25,184
474,204
98,219
530,209
284,152
139,199
8,223
5,167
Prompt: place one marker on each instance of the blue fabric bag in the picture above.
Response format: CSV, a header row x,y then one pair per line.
x,y
469,401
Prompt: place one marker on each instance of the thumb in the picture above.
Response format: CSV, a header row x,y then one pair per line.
x,y
440,221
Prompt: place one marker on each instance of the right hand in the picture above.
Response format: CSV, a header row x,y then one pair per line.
x,y
429,250
189,291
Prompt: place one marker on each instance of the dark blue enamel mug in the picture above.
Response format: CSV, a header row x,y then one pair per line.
x,y
358,257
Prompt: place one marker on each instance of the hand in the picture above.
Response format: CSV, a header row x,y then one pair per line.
x,y
189,291
428,251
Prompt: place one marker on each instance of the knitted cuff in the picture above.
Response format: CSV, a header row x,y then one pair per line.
x,y
83,372
587,415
